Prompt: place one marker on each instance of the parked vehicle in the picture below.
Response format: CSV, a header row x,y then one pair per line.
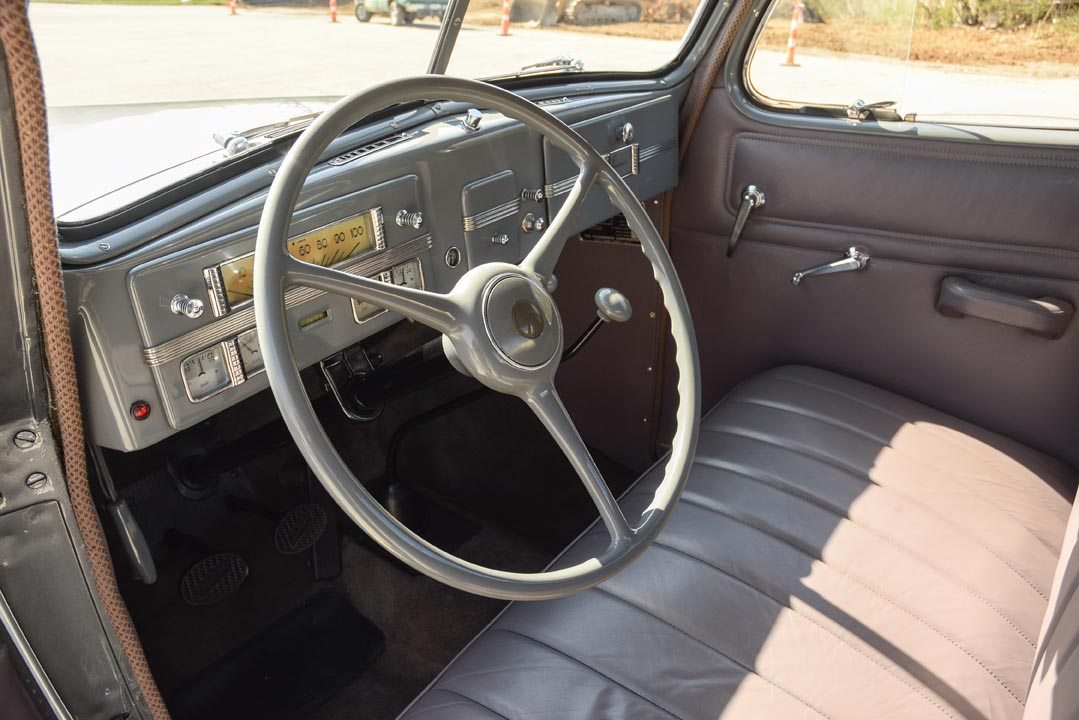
x,y
400,12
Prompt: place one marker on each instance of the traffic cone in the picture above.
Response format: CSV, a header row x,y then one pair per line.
x,y
505,29
232,7
333,11
797,17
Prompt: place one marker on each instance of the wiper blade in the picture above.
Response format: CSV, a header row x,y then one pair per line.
x,y
239,141
560,64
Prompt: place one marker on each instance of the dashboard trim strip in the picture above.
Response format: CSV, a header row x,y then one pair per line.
x,y
552,190
492,215
239,320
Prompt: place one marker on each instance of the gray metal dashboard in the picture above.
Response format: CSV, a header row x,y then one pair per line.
x,y
480,194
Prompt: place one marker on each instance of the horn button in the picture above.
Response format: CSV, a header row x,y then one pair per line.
x,y
522,321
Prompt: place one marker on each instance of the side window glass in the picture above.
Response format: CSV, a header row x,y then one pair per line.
x,y
966,62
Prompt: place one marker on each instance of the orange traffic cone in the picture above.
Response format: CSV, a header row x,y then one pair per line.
x,y
797,18
505,29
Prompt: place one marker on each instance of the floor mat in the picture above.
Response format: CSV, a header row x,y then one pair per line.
x,y
290,668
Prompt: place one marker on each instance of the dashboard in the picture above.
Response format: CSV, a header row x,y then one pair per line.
x,y
162,309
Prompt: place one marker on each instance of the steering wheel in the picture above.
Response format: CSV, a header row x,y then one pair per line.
x,y
499,324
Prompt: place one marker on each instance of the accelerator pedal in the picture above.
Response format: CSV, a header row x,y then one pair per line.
x,y
213,579
300,528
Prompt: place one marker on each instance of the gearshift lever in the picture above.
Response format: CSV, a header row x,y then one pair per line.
x,y
611,306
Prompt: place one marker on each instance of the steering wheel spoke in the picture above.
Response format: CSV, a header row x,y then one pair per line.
x,y
544,256
547,405
434,310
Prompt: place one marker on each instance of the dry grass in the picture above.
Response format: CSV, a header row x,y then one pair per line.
x,y
1042,50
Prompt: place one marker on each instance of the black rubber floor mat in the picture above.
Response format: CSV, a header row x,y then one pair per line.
x,y
300,528
289,669
213,579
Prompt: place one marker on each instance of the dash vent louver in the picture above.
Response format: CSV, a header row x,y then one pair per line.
x,y
369,148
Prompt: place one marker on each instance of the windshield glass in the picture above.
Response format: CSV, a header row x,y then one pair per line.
x,y
163,90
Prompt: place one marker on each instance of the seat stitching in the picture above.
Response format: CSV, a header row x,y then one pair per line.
x,y
716,650
829,461
848,576
586,666
784,486
836,423
917,690
961,475
906,420
857,473
466,698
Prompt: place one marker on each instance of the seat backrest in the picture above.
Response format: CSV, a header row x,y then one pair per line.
x,y
1054,681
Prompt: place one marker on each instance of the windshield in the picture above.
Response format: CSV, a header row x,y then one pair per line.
x,y
162,90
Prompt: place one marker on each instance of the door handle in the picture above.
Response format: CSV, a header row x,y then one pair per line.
x,y
856,258
1046,316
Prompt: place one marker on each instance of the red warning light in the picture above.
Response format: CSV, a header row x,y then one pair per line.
x,y
140,409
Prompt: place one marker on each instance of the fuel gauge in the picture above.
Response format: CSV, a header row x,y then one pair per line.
x,y
250,354
205,373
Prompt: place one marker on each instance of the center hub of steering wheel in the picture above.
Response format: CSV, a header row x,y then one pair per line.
x,y
521,320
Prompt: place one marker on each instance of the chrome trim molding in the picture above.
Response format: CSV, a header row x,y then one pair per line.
x,y
637,156
492,215
239,320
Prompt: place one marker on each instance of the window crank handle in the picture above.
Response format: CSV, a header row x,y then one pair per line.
x,y
856,259
752,198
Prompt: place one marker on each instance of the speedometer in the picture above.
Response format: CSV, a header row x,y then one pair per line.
x,y
328,245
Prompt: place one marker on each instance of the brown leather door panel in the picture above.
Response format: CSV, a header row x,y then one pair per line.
x,y
1006,218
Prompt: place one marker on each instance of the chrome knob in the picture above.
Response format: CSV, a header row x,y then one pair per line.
x,y
533,223
406,219
626,133
473,118
551,283
502,239
533,195
182,304
612,306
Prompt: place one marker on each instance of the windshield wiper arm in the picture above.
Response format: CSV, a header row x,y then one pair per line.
x,y
555,65
562,63
238,141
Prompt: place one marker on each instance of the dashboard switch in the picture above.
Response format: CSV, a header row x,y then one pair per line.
x,y
187,306
413,220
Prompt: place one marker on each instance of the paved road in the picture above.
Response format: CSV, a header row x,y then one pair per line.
x,y
110,54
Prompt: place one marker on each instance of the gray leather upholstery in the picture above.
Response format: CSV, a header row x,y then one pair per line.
x,y
1054,681
841,552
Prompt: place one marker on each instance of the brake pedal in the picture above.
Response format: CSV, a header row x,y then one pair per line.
x,y
300,528
213,579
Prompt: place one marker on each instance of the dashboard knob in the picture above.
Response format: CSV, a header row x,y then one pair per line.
x,y
626,133
612,306
413,220
533,223
473,118
190,307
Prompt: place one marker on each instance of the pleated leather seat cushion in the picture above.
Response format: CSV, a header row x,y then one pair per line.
x,y
841,552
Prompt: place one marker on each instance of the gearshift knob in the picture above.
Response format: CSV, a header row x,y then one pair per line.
x,y
612,306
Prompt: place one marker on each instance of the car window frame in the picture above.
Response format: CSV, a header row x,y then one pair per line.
x,y
833,117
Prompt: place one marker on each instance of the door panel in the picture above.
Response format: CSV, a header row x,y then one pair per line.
x,y
1004,217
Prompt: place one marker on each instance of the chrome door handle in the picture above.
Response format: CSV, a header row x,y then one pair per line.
x,y
856,258
752,198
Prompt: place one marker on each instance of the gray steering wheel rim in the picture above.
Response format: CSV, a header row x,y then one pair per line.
x,y
274,268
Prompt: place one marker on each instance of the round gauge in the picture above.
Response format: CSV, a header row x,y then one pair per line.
x,y
250,354
205,373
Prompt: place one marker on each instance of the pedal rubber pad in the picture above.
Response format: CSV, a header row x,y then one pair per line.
x,y
300,528
213,579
